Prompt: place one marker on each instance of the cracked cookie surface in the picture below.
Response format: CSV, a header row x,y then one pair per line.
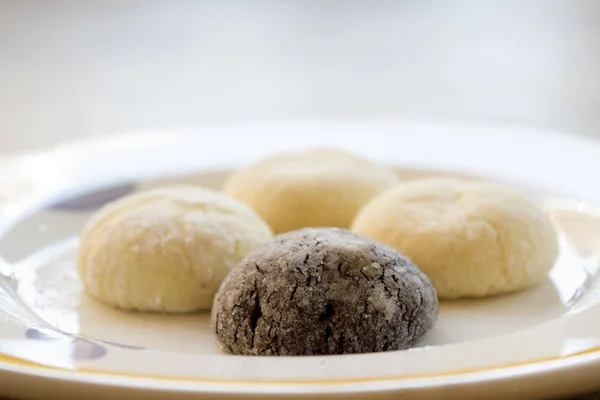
x,y
472,238
167,249
323,291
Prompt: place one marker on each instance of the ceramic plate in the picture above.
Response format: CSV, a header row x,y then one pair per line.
x,y
57,341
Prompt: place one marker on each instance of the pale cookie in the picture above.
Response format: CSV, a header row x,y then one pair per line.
x,y
471,238
309,188
166,249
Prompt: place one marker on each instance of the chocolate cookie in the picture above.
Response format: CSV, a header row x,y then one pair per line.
x,y
323,291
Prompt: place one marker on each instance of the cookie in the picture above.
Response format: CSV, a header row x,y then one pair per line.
x,y
323,291
471,238
166,249
309,188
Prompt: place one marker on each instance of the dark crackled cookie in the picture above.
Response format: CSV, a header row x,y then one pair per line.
x,y
323,291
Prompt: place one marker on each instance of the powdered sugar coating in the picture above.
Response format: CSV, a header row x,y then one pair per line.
x,y
166,249
471,238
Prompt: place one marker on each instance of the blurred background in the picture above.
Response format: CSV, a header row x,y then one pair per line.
x,y
82,68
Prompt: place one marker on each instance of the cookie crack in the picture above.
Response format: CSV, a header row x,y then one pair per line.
x,y
255,314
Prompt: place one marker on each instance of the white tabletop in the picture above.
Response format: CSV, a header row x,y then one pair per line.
x,y
72,68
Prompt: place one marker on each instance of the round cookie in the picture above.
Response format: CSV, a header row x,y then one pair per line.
x,y
471,238
323,291
309,188
166,249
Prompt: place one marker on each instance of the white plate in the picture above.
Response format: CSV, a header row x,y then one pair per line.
x,y
57,341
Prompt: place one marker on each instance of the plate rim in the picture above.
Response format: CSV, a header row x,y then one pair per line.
x,y
567,365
